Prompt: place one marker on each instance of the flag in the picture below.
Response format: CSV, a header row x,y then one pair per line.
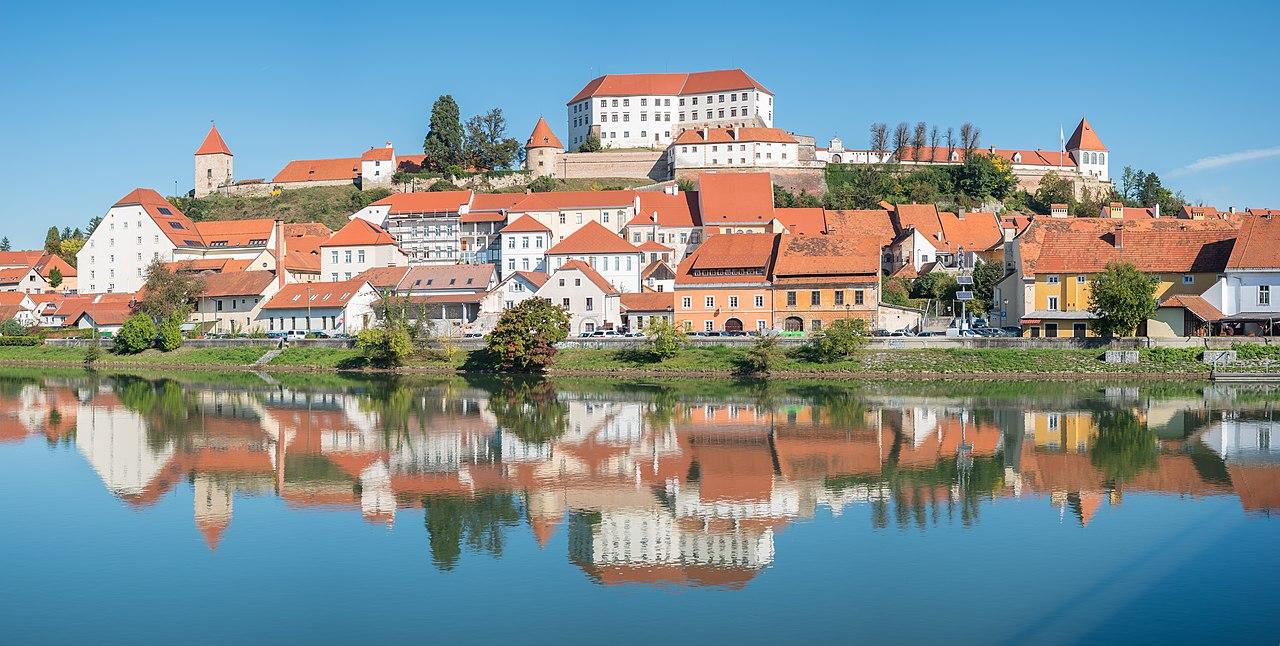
x,y
1062,139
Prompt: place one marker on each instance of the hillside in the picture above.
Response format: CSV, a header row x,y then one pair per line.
x,y
329,205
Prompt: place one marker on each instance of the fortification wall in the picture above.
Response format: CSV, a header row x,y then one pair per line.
x,y
639,164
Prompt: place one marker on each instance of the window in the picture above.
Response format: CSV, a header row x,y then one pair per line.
x,y
711,302
761,325
1188,279
815,325
839,297
565,302
1264,294
733,301
589,303
815,297
791,299
686,302
1080,279
708,325
360,255
759,301
1053,303
1053,280
857,297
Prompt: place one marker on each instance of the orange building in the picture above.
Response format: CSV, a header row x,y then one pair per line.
x,y
724,284
818,279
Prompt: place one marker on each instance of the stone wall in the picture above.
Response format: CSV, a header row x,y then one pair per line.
x,y
639,164
811,179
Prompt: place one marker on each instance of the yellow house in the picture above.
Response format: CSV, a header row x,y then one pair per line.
x,y
1055,260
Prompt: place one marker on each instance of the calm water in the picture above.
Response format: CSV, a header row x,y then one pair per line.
x,y
317,509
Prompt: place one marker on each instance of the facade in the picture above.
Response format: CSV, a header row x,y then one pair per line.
x,y
343,307
524,245
231,302
737,203
373,168
818,279
619,261
543,150
514,289
356,247
35,272
650,110
425,224
214,164
641,309
1245,299
591,300
566,212
724,284
670,218
929,239
734,148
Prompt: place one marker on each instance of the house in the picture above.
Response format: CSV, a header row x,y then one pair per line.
x,y
616,259
512,291
478,228
928,238
448,296
20,307
641,309
670,218
566,212
56,310
658,276
589,298
818,279
734,148
736,203
229,303
724,284
374,167
34,272
1055,260
342,307
426,224
1241,301
448,279
524,245
104,317
358,246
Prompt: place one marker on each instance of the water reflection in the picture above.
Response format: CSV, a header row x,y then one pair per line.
x,y
683,484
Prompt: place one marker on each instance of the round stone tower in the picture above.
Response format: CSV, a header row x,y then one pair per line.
x,y
213,164
543,151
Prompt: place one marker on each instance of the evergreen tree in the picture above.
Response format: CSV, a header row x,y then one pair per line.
x,y
443,145
5,245
55,277
53,241
93,224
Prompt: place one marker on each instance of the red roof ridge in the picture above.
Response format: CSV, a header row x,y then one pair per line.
x,y
543,136
359,231
525,224
592,237
1085,137
591,274
213,144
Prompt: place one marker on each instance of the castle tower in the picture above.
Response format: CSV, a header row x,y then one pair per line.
x,y
213,503
543,151
213,164
1089,152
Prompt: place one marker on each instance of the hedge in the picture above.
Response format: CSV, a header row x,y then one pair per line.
x,y
21,340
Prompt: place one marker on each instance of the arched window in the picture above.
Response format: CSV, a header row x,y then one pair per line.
x,y
1102,158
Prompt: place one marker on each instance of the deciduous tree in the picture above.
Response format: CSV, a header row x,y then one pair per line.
x,y
168,293
137,334
487,145
524,338
1122,298
664,338
879,137
839,341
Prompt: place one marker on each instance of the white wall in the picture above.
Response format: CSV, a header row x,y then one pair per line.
x,y
347,262
622,270
116,256
524,252
577,288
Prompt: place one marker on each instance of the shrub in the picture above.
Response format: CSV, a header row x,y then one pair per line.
x,y
763,357
664,338
841,340
92,355
544,184
1248,351
524,340
591,145
1170,355
137,334
171,334
21,340
12,328
385,347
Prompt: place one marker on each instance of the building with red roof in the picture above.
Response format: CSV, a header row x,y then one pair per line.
x,y
616,259
213,164
342,307
734,148
736,203
590,299
356,247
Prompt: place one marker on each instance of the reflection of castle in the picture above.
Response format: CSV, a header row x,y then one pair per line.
x,y
691,493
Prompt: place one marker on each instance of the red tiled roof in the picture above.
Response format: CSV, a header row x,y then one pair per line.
x,y
239,283
359,232
1087,245
543,137
752,252
235,233
735,198
807,221
535,278
180,230
650,245
495,201
667,84
315,170
315,295
425,202
49,262
20,258
592,237
1257,245
384,153
591,274
104,313
383,277
648,302
213,144
447,277
1085,138
670,211
574,199
734,135
826,255
525,224
976,231
872,223
1202,309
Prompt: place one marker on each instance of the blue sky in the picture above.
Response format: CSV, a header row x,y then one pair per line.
x,y
100,98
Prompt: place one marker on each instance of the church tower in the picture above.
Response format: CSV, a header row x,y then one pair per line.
x,y
543,151
1089,152
213,164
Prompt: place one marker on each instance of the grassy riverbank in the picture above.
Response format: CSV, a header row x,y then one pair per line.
x,y
714,360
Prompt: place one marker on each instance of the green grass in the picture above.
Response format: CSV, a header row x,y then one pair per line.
x,y
319,357
329,205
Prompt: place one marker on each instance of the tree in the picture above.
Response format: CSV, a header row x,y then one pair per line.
x,y
137,334
901,139
544,184
12,328
984,177
896,291
1053,189
986,275
969,137
685,185
842,339
93,224
782,198
443,145
524,338
879,137
168,293
69,248
918,139
664,338
591,145
171,332
487,146
383,346
936,285
858,187
1124,446
763,357
5,245
951,142
933,142
1122,298
53,241
55,277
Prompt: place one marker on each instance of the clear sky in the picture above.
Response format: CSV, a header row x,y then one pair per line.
x,y
101,98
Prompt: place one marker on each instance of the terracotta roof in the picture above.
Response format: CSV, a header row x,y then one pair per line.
x,y
574,200
745,257
543,137
447,277
12,298
535,278
976,231
1202,309
735,198
305,229
239,283
495,201
653,268
872,223
671,211
359,232
1028,157
650,245
591,274
667,84
104,313
383,277
50,261
482,216
592,237
384,153
425,202
826,255
807,221
20,258
1087,245
1257,245
648,302
1085,138
213,144
525,224
180,230
315,170
315,295
734,135
235,233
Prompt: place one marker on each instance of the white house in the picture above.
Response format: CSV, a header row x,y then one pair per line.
x,y
619,261
333,307
734,148
20,307
1247,294
524,244
564,213
358,246
425,224
592,302
230,302
669,218
649,110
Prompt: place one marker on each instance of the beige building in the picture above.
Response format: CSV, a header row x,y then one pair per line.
x,y
230,302
359,246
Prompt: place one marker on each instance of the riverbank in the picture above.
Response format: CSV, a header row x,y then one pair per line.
x,y
718,361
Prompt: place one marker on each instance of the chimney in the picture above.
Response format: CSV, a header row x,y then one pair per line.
x,y
1115,210
280,251
1058,210
1155,210
1231,209
388,144
960,213
1118,236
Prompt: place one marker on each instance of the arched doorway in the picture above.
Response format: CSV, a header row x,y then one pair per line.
x,y
733,325
793,324
836,159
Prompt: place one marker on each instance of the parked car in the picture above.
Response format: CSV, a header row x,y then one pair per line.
x,y
1012,331
902,332
634,334
473,335
707,333
606,334
734,333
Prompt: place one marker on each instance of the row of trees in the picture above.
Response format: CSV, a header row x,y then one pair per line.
x,y
910,142
481,143
978,180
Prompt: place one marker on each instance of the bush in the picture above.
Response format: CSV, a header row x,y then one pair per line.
x,y
664,338
137,334
544,184
763,357
171,334
1250,351
385,347
591,145
92,355
441,185
841,340
524,340
21,340
1170,355
12,328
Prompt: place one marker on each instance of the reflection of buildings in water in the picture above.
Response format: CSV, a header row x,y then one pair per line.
x,y
114,441
1252,460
